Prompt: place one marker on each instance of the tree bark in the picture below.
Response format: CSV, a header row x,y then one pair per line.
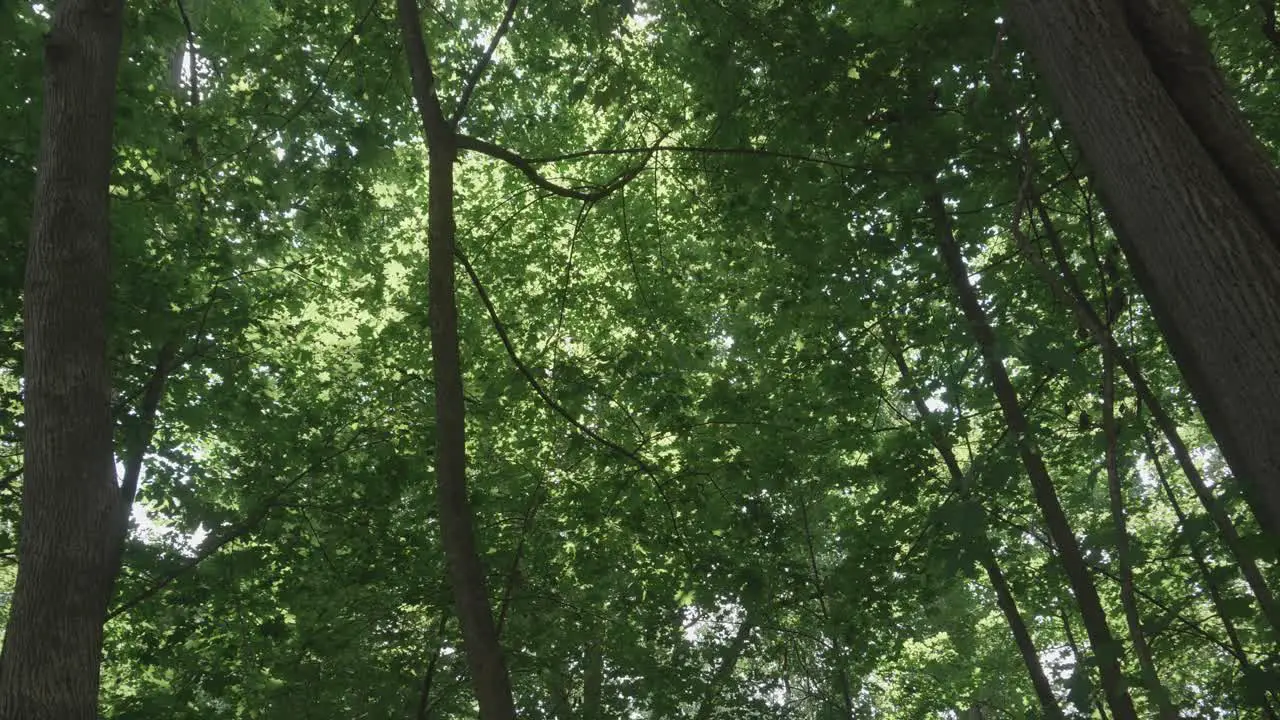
x,y
49,668
1105,647
466,572
593,678
1196,232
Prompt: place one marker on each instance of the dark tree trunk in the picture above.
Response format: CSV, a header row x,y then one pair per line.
x,y
1105,647
457,524
1004,594
1068,289
724,673
52,653
1156,691
593,679
1192,201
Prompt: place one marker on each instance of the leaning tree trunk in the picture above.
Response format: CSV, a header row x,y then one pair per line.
x,y
53,645
987,558
1193,201
457,525
1105,647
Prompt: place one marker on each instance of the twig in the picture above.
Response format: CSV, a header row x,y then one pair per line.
x,y
479,69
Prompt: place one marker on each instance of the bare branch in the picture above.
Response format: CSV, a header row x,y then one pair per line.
x,y
476,73
533,381
696,150
141,439
466,142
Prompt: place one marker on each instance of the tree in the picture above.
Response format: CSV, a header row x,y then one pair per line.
x,y
683,471
71,519
1193,198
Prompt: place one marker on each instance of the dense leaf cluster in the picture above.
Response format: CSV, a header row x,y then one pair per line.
x,y
728,495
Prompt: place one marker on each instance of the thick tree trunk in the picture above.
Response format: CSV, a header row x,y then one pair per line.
x,y
1190,208
52,653
1105,647
457,524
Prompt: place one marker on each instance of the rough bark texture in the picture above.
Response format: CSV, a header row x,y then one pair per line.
x,y
457,524
1179,54
1202,253
53,646
1105,647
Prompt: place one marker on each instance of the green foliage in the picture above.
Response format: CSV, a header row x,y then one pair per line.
x,y
721,321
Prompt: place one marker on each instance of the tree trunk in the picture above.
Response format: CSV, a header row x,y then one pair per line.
x,y
1004,594
593,679
732,654
1156,691
457,524
1105,647
49,668
1068,289
1189,210
1078,657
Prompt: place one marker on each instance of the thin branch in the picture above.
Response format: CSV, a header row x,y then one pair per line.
x,y
1269,22
306,100
428,678
146,424
466,142
513,573
191,33
476,73
697,150
533,381
8,478
214,544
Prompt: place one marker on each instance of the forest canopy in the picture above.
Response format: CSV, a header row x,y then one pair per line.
x,y
695,359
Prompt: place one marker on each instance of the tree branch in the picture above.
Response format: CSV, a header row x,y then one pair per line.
x,y
1269,22
141,439
466,142
479,69
213,544
695,150
533,381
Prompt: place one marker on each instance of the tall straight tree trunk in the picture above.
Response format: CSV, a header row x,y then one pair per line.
x,y
1105,647
1156,691
987,557
466,573
1193,202
49,668
1066,287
